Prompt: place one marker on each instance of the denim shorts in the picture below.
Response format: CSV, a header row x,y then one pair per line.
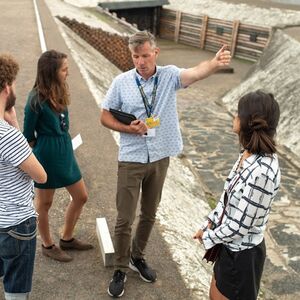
x,y
17,253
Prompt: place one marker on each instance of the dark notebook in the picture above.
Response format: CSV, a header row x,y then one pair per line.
x,y
121,116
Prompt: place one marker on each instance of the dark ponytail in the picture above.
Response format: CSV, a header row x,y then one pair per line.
x,y
259,115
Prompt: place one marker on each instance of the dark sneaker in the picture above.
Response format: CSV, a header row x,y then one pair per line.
x,y
116,285
74,244
139,265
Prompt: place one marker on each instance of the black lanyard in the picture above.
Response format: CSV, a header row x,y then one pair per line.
x,y
148,106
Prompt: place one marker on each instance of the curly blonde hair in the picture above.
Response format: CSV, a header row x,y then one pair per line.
x,y
9,69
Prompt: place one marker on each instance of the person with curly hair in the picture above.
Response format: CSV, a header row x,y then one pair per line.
x,y
239,220
18,166
46,125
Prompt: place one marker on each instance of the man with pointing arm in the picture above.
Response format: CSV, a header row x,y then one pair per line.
x,y
149,92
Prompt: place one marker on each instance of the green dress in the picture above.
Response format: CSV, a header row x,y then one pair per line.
x,y
53,144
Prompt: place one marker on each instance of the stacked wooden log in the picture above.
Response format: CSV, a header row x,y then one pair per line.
x,y
245,41
113,46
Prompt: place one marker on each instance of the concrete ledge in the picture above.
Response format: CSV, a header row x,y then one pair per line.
x,y
105,242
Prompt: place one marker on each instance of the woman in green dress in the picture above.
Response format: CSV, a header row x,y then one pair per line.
x,y
46,125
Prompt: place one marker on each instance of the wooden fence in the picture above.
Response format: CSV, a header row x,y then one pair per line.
x,y
245,41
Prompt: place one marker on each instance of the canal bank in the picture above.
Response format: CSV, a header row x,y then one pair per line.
x,y
210,149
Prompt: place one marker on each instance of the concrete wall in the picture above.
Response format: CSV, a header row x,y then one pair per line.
x,y
278,72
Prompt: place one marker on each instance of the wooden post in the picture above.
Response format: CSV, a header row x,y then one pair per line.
x,y
203,31
235,30
177,26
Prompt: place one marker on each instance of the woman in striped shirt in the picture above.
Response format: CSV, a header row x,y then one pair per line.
x,y
246,201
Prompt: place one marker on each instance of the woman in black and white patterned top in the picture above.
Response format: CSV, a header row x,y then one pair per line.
x,y
250,189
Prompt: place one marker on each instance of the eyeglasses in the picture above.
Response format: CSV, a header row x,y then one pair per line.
x,y
62,122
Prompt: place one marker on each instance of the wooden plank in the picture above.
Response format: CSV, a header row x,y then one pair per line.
x,y
168,22
220,24
177,26
235,30
254,27
189,30
214,34
192,38
252,30
251,44
245,37
203,31
165,21
191,18
213,29
260,49
220,21
168,17
219,42
194,25
218,37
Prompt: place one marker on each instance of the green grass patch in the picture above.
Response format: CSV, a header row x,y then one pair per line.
x,y
211,200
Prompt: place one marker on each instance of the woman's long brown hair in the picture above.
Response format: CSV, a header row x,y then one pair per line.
x,y
47,83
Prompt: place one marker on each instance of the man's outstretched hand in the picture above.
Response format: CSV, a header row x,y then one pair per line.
x,y
223,57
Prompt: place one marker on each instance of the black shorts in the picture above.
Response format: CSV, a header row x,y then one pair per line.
x,y
238,274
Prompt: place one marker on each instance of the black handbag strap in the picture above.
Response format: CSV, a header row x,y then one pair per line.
x,y
226,199
225,204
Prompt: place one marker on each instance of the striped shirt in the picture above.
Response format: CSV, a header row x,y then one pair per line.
x,y
124,94
251,192
16,187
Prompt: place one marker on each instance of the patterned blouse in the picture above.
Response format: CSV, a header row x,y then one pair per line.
x,y
251,191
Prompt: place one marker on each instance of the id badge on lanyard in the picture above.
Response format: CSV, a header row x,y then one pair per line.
x,y
151,121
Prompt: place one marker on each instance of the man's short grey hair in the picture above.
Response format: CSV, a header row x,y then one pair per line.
x,y
140,38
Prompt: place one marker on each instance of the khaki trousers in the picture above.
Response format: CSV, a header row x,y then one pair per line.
x,y
133,179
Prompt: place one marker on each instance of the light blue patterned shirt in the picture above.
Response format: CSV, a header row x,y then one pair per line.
x,y
124,94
